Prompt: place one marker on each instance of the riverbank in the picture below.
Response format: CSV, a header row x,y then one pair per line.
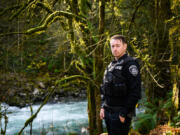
x,y
18,89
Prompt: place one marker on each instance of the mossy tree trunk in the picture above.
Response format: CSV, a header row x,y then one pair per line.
x,y
98,63
175,74
91,109
94,71
160,54
174,57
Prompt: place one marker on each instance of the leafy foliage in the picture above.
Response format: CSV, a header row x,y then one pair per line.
x,y
151,114
146,120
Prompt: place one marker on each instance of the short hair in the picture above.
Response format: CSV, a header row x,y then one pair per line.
x,y
119,37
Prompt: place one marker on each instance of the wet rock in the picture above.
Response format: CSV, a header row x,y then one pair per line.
x,y
56,98
84,130
41,85
11,92
19,90
16,101
22,94
36,91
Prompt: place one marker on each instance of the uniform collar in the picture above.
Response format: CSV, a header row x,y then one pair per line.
x,y
121,58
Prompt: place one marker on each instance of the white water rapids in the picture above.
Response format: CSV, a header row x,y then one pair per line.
x,y
53,119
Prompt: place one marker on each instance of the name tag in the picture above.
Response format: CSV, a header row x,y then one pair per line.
x,y
118,67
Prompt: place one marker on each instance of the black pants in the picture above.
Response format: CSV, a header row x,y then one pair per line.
x,y
114,125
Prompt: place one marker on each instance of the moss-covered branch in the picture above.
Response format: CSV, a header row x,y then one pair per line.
x,y
9,9
21,9
45,6
42,27
62,81
50,19
80,77
30,120
76,82
11,33
53,3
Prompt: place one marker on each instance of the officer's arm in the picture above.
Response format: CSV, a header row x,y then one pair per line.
x,y
133,82
102,96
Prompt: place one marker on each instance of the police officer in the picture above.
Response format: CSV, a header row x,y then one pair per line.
x,y
121,89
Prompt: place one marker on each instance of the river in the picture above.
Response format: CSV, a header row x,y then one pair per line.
x,y
53,119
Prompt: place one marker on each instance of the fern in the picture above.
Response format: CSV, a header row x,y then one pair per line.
x,y
145,122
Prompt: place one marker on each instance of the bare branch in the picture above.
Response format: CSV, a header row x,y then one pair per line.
x,y
160,85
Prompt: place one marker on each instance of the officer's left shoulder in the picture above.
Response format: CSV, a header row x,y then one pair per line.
x,y
132,67
131,61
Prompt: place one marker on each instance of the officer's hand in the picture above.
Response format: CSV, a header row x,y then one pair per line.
x,y
102,113
122,119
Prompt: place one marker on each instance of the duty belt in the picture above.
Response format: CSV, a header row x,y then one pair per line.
x,y
112,108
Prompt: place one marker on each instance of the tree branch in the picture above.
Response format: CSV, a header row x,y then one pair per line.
x,y
52,18
35,115
21,9
160,85
134,14
44,6
147,64
30,120
79,77
40,4
10,8
11,33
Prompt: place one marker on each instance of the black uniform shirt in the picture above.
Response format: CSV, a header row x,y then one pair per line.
x,y
131,73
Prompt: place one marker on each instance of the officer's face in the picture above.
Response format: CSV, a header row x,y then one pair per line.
x,y
118,49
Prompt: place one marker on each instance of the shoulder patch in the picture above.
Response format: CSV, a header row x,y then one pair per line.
x,y
133,70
